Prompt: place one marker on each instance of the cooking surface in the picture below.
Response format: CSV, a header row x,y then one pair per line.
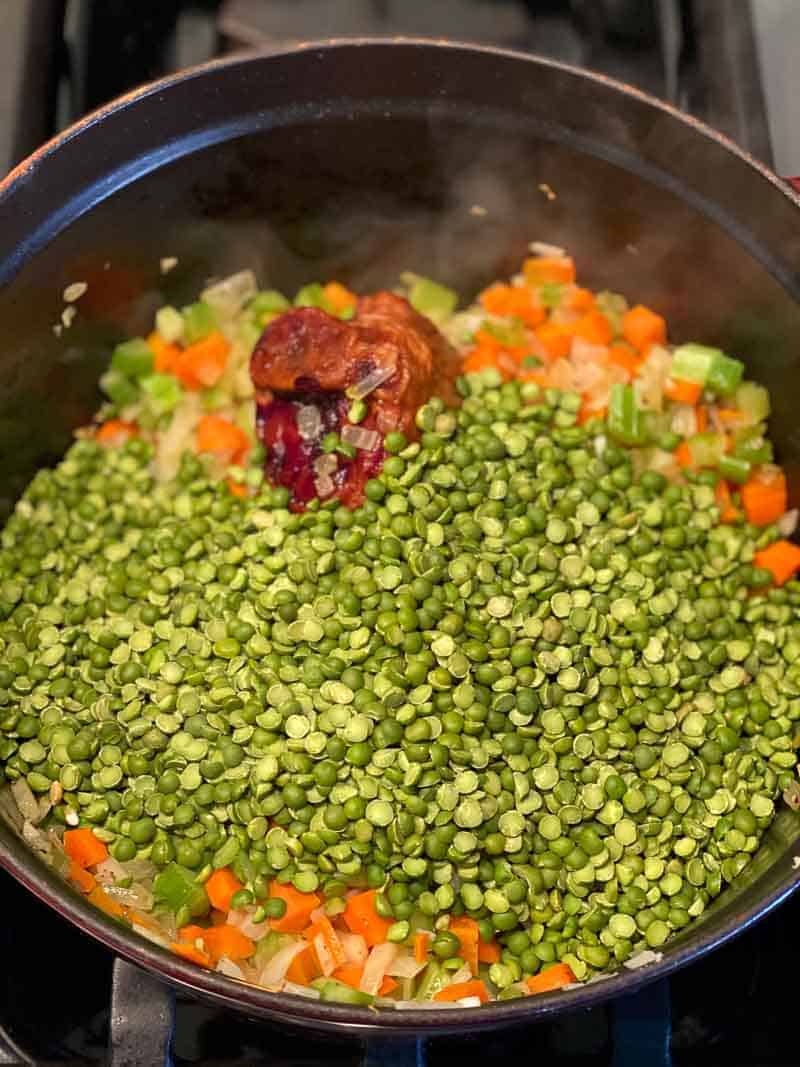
x,y
733,1008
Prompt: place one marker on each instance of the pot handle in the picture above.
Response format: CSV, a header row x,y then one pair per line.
x,y
142,1019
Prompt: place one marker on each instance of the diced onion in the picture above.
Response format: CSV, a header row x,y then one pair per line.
x,y
300,990
541,248
229,968
405,966
243,920
791,795
324,955
643,959
358,437
110,871
134,896
375,968
325,464
275,971
469,1002
600,444
229,296
369,383
462,975
787,524
684,421
324,485
309,421
355,947
151,935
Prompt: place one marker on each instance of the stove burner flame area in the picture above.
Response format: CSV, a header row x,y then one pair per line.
x,y
328,391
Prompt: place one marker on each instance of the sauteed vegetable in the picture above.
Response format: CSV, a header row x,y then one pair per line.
x,y
506,725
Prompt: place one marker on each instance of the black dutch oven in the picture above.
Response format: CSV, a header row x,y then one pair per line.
x,y
357,160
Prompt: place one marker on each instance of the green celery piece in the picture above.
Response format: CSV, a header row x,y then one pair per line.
x,y
268,302
692,363
751,444
624,416
753,401
510,333
162,392
435,301
338,993
724,374
551,294
735,470
269,945
119,389
133,358
613,306
434,978
199,321
707,449
176,888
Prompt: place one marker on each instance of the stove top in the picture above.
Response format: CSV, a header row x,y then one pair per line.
x,y
735,1008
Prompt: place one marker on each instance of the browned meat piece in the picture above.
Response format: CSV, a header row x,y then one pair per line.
x,y
307,359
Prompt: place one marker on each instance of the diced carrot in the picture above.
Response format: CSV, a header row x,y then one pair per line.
x,y
298,908
104,902
479,359
116,432
488,952
516,300
421,941
202,364
781,559
82,879
339,297
220,436
166,354
682,392
593,327
191,933
236,488
459,990
496,299
764,496
641,328
350,974
701,414
579,299
84,848
683,455
227,941
147,921
221,886
190,952
556,339
388,985
304,968
323,928
730,416
727,511
466,930
588,411
362,918
541,269
626,357
551,978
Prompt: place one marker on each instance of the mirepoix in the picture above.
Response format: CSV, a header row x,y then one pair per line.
x,y
519,715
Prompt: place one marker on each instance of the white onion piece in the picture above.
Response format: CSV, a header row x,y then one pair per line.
x,y
35,838
140,870
600,444
375,968
462,975
229,968
110,871
541,248
275,971
26,802
684,421
325,464
405,966
358,437
324,955
787,523
135,896
355,947
324,485
469,1002
422,1005
229,296
242,918
583,351
370,383
309,421
642,959
300,990
151,935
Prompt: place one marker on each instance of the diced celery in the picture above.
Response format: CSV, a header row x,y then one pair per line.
x,y
551,294
176,887
311,296
624,416
435,301
335,992
751,444
169,323
268,302
724,374
198,321
707,449
753,401
119,389
162,392
735,470
433,980
613,306
510,333
133,358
